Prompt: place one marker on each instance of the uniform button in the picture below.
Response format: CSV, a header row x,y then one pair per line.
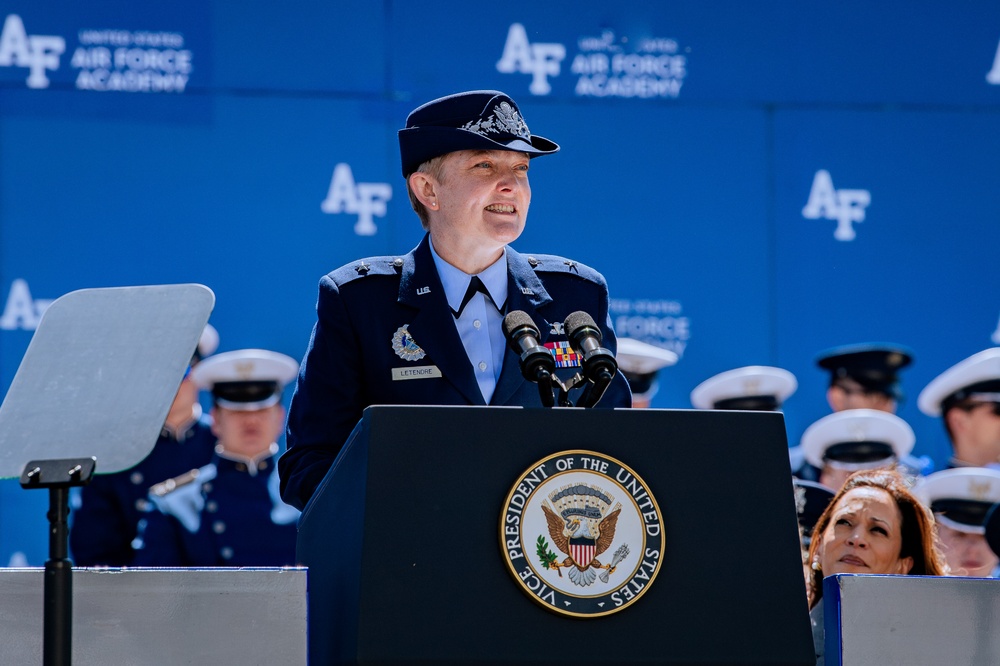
x,y
227,553
478,324
218,527
262,465
136,478
240,467
211,506
483,366
206,487
142,505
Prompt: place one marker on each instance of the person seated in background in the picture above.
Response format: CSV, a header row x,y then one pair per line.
x,y
967,398
228,512
811,500
754,387
865,376
106,521
641,363
856,439
874,525
960,499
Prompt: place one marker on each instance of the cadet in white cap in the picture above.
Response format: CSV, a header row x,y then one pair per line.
x,y
112,505
641,362
844,442
229,512
967,398
754,387
960,500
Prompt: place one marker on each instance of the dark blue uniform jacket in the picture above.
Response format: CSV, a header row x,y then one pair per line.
x,y
351,356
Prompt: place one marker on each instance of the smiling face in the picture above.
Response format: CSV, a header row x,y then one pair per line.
x,y
864,535
478,203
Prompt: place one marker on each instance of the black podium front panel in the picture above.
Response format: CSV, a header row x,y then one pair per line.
x,y
405,561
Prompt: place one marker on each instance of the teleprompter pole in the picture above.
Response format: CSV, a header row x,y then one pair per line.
x,y
58,476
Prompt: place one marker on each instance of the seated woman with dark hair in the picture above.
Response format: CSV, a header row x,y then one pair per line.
x,y
874,525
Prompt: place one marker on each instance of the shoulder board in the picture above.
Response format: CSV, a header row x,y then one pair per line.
x,y
170,485
550,263
368,267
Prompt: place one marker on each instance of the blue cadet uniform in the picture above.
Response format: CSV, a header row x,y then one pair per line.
x,y
106,522
228,512
112,505
386,336
387,331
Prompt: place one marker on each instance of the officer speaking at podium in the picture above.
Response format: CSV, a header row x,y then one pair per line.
x,y
425,328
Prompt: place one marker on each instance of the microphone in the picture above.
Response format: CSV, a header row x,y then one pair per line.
x,y
599,364
537,363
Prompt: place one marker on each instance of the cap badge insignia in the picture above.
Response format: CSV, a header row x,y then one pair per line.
x,y
244,369
979,491
405,347
572,522
557,328
504,120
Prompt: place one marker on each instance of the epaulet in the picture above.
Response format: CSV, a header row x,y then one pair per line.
x,y
164,488
550,263
368,267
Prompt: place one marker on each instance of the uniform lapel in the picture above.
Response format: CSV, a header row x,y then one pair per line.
x,y
433,326
527,293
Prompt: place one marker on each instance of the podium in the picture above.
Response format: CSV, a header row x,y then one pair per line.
x,y
911,620
403,541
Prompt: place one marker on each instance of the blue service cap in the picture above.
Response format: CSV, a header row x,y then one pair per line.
x,y
474,120
874,365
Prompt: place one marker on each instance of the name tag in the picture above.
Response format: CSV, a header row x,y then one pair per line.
x,y
418,372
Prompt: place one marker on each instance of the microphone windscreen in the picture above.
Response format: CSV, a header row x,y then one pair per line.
x,y
515,320
578,320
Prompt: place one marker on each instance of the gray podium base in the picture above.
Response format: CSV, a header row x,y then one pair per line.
x,y
912,620
163,616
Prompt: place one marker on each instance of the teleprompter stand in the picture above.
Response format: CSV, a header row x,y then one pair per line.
x,y
95,384
58,476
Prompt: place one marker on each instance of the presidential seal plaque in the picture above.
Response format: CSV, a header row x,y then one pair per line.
x,y
581,533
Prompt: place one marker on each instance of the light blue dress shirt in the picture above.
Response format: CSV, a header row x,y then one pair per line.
x,y
480,325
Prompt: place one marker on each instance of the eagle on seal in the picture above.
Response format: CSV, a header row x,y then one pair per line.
x,y
582,541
